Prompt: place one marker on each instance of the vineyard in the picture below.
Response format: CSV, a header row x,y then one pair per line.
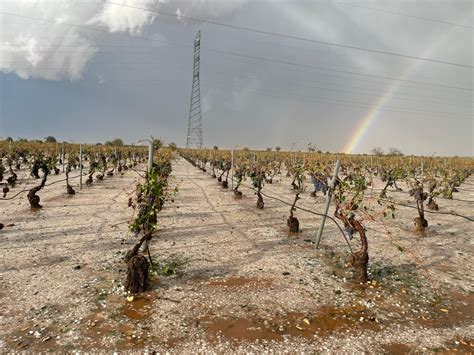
x,y
126,248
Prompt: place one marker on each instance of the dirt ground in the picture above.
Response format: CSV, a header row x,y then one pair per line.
x,y
228,277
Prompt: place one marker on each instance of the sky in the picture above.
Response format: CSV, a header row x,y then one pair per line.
x,y
90,71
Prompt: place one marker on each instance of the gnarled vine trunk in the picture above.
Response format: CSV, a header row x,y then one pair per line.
x,y
237,193
225,183
360,259
69,188
32,197
432,205
137,268
293,185
292,222
260,203
420,222
89,178
12,179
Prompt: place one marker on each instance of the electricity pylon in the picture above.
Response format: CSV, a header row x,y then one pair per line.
x,y
194,138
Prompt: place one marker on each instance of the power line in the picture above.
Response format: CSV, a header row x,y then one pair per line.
x,y
37,44
356,90
350,103
406,15
359,79
90,28
125,61
331,87
152,52
241,55
333,70
319,99
215,23
281,94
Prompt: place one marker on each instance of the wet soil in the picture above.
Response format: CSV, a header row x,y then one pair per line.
x,y
229,278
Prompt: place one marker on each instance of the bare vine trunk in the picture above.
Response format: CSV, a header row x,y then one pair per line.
x,y
260,203
69,188
292,222
237,193
360,259
420,222
32,197
12,179
137,268
225,183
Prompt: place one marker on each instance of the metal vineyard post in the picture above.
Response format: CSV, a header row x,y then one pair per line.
x,y
328,201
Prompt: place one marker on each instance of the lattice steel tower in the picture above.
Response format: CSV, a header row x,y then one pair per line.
x,y
194,138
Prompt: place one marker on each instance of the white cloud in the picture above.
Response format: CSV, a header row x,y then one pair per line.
x,y
180,14
32,48
123,18
204,9
53,50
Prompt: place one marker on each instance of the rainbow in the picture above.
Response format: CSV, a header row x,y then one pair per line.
x,y
370,116
365,122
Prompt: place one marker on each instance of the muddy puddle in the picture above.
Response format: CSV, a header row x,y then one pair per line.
x,y
452,309
458,345
118,322
99,331
141,307
323,322
396,348
121,321
455,346
408,307
32,335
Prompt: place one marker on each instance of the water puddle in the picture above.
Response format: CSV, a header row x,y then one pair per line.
x,y
141,307
119,326
325,321
396,348
455,308
31,336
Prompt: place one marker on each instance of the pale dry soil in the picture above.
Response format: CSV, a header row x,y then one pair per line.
x,y
227,277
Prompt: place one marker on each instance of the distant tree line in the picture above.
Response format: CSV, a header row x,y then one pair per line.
x,y
391,152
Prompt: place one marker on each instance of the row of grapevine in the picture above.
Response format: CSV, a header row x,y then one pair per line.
x,y
354,189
